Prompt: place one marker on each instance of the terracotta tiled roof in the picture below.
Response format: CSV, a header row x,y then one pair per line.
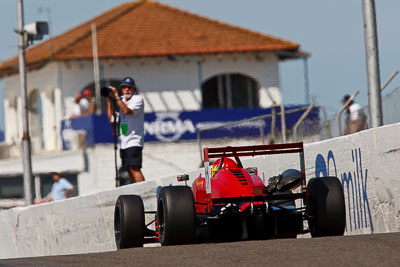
x,y
147,28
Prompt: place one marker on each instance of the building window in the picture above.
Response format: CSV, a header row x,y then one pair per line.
x,y
230,91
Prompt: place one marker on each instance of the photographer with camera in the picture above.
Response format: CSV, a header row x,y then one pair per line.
x,y
129,107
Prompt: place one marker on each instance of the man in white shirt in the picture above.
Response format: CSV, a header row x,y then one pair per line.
x,y
76,109
131,113
356,119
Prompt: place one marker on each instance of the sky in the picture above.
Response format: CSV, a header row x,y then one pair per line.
x,y
331,31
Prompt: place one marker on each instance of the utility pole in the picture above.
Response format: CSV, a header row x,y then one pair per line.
x,y
26,140
372,60
96,69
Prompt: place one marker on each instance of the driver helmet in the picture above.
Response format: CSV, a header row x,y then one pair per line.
x,y
227,164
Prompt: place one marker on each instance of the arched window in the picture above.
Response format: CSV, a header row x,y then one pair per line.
x,y
231,90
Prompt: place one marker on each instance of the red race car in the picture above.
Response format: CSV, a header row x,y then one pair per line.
x,y
233,203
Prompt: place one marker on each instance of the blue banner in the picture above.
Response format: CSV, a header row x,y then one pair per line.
x,y
175,126
184,125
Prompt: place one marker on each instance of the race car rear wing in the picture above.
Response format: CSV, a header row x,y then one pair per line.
x,y
251,151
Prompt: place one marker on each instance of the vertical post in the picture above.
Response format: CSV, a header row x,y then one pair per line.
x,y
37,188
199,144
262,130
200,77
302,167
96,70
306,82
273,123
26,140
283,123
372,60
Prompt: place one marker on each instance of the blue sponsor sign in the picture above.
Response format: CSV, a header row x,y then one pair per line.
x,y
184,125
175,126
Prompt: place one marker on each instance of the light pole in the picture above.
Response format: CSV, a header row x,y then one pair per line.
x,y
26,140
33,31
372,60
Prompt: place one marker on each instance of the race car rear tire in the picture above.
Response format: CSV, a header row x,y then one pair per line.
x,y
176,215
129,224
326,207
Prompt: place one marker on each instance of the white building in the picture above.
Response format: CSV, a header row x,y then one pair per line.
x,y
179,60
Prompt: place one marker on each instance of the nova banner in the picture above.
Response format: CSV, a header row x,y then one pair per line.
x,y
175,126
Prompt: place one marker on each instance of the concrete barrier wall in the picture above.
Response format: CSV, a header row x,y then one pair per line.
x,y
365,162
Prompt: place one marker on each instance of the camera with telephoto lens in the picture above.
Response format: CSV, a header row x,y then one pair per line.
x,y
108,92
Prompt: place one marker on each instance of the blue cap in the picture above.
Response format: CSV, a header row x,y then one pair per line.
x,y
128,81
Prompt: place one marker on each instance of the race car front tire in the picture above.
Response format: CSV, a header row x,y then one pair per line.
x,y
129,224
326,207
176,215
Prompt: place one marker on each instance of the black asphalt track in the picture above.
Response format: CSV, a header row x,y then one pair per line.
x,y
361,250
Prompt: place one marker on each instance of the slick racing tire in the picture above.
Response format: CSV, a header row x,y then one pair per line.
x,y
326,207
129,225
176,215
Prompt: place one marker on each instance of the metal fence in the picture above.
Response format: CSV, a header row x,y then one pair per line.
x,y
296,133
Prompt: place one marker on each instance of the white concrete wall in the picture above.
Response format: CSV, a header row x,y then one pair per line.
x,y
366,162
